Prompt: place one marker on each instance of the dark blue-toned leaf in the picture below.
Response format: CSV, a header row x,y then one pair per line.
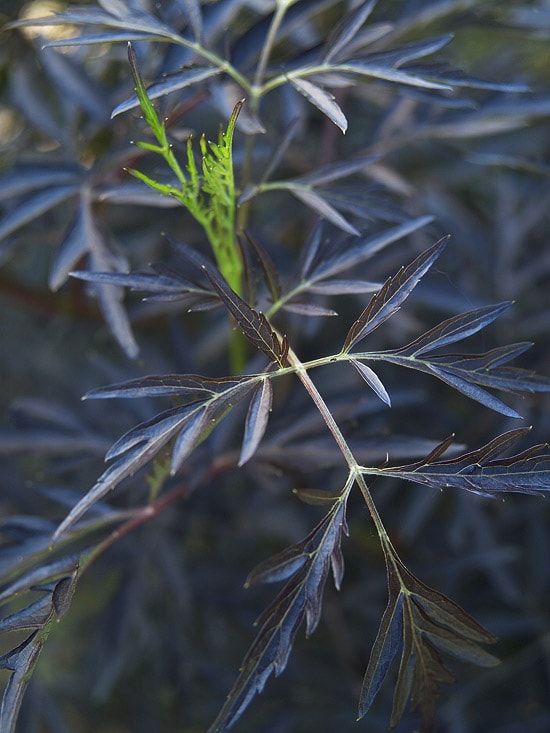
x,y
316,202
347,257
308,309
323,100
347,28
30,617
69,252
455,329
134,193
169,84
306,565
76,84
279,152
34,206
29,178
335,171
372,379
35,576
253,324
385,647
21,661
484,471
158,430
190,386
397,57
134,20
188,438
108,296
388,73
256,419
471,390
394,292
193,13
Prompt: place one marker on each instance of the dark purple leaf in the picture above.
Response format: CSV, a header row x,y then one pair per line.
x,y
483,471
323,100
347,28
253,324
256,419
308,309
316,202
422,622
306,565
169,84
455,328
34,206
372,379
387,301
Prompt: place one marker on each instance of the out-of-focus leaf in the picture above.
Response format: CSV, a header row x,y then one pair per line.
x,y
308,309
316,202
169,84
134,20
321,99
347,28
34,206
71,249
76,84
395,291
28,178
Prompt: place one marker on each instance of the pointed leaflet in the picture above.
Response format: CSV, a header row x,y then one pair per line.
x,y
254,324
256,419
22,660
306,565
323,100
347,28
34,206
465,372
167,85
424,623
394,292
193,422
372,379
455,329
482,471
316,202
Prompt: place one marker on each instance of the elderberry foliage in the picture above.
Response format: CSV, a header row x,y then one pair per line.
x,y
284,220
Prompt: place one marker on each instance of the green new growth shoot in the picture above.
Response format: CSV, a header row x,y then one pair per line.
x,y
209,194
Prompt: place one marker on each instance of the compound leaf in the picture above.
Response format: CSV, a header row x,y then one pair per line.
x,y
306,566
483,471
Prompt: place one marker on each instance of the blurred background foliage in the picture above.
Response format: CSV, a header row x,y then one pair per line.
x,y
159,624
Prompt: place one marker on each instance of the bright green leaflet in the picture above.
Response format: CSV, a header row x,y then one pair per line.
x,y
209,194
